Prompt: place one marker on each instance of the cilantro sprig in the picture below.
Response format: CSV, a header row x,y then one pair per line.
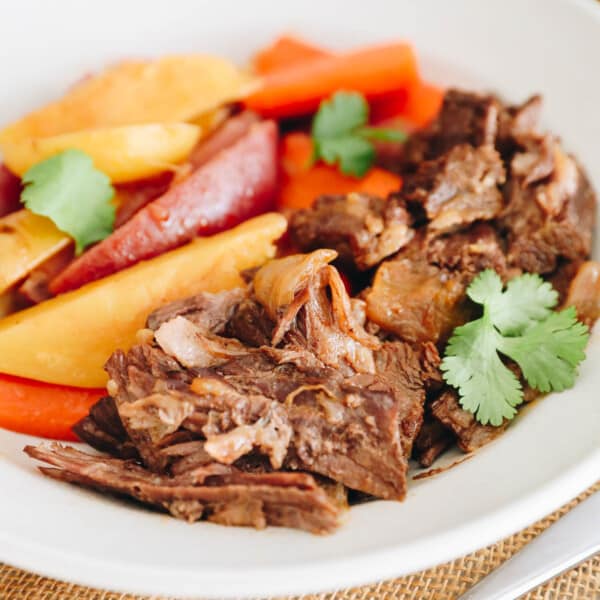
x,y
342,137
517,323
70,191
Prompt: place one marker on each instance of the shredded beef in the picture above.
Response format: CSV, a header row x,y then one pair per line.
x,y
516,123
362,229
469,432
550,209
320,393
229,497
211,312
103,430
477,120
468,252
458,188
433,440
465,118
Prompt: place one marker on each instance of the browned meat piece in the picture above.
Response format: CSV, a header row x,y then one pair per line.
x,y
102,429
468,252
458,188
470,434
550,214
209,311
433,440
250,324
323,396
535,160
516,123
416,301
362,229
562,277
465,118
478,120
584,292
228,497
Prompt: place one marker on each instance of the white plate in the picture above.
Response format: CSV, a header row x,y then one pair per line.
x,y
550,454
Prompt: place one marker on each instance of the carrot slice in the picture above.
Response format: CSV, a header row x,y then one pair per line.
x,y
43,409
285,52
380,182
302,183
423,104
298,89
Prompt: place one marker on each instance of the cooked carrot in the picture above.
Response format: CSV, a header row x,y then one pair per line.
x,y
302,183
298,89
43,409
285,52
300,190
390,106
423,104
379,182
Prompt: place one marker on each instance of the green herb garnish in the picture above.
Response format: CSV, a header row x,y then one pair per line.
x,y
517,323
70,191
341,135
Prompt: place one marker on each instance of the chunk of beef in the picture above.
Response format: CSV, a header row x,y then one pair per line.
x,y
470,433
584,292
550,214
250,324
324,396
561,278
229,498
362,229
468,252
433,440
103,430
415,300
211,312
465,118
315,421
517,123
458,188
308,299
478,120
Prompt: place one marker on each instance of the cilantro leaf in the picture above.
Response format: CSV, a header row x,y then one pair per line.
x,y
341,135
70,191
353,154
518,323
382,134
487,388
549,351
527,299
341,115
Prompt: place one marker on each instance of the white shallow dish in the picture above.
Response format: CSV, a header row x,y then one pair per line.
x,y
549,455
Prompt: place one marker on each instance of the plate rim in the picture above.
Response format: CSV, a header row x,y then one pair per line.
x,y
348,571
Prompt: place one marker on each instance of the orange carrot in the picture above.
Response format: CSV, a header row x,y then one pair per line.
x,y
285,52
299,89
43,409
302,183
417,105
389,106
423,104
379,182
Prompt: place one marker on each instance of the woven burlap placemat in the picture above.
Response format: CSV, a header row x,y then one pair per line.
x,y
445,582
